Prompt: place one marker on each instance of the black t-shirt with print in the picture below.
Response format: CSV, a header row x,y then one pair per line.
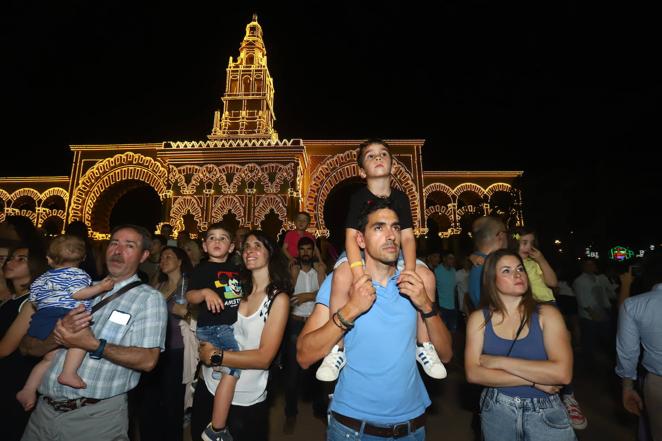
x,y
223,278
399,203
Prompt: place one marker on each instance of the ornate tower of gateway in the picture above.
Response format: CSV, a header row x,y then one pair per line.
x,y
244,174
248,104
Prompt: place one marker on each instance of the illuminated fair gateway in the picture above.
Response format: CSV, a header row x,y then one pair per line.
x,y
244,173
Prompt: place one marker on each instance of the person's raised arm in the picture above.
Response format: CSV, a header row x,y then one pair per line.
x,y
548,273
320,333
354,259
270,340
17,330
420,289
408,242
557,369
476,373
94,290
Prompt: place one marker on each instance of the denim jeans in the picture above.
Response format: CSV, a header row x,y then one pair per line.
x,y
222,337
339,432
504,417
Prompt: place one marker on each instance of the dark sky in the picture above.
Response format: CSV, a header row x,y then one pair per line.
x,y
568,92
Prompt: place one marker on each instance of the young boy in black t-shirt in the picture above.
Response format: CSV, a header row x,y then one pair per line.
x,y
216,283
375,163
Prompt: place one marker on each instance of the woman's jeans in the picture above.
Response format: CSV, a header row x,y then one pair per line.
x,y
504,417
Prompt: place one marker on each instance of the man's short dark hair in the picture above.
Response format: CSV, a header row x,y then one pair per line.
x,y
364,145
370,207
144,233
305,240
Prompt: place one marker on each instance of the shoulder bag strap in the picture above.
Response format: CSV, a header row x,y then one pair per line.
x,y
519,331
115,295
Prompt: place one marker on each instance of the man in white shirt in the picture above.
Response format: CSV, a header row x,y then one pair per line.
x,y
307,276
593,292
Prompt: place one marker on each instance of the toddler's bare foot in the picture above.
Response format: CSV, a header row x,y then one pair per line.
x,y
27,399
71,380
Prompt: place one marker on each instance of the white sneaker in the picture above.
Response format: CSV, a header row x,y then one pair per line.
x,y
330,367
427,356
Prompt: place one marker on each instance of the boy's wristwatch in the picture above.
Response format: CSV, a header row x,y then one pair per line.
x,y
216,358
97,354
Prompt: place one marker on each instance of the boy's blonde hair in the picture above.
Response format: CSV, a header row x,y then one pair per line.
x,y
66,249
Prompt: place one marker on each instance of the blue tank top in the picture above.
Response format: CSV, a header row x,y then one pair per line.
x,y
530,347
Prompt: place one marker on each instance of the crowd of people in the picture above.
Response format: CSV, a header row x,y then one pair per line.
x,y
181,332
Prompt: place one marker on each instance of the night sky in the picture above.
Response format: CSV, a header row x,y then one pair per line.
x,y
548,89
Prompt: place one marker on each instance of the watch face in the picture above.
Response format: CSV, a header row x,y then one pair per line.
x,y
215,359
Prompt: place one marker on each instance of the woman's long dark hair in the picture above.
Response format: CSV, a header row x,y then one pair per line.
x,y
186,267
279,275
489,294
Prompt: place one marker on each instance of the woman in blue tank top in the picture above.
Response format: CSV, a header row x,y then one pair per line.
x,y
520,351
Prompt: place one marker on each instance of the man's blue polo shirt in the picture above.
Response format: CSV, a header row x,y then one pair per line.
x,y
380,382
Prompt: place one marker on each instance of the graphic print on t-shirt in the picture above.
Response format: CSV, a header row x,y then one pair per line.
x,y
227,282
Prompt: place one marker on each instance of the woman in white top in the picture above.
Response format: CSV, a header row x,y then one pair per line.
x,y
259,329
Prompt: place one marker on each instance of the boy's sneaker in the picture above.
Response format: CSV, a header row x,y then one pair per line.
x,y
330,367
211,435
427,356
577,418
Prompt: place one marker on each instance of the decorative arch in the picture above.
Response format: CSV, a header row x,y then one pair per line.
x,y
269,202
46,214
54,192
471,187
25,192
4,197
233,171
283,173
181,206
226,204
343,166
438,187
126,166
205,174
32,215
441,210
469,210
497,187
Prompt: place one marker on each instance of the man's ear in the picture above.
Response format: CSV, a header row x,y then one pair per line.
x,y
360,240
231,249
144,256
362,173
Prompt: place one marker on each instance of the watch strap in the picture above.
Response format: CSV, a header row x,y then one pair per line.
x,y
97,354
432,312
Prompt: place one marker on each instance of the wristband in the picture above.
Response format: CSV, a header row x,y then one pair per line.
x,y
97,354
346,323
216,359
356,264
337,323
432,312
